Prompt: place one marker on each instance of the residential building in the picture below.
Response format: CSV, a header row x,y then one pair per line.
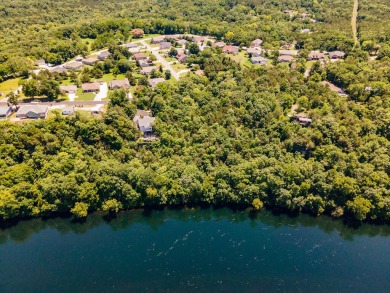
x,y
131,45
315,55
68,111
90,87
90,61
68,89
5,111
286,58
41,63
157,40
104,55
230,50
254,52
119,84
59,69
74,65
288,52
32,111
182,42
140,56
165,45
256,43
336,55
155,81
148,70
182,58
198,39
259,60
143,63
219,44
134,50
144,121
199,72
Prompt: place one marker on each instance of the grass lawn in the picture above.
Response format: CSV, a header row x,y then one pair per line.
x,y
108,77
9,85
84,96
178,66
169,59
242,59
67,82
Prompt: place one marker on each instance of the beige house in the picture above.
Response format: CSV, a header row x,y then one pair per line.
x,y
32,111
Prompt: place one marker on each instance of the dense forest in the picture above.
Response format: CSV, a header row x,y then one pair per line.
x,y
224,138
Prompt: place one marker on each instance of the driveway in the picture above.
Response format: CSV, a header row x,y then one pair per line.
x,y
71,97
102,94
161,59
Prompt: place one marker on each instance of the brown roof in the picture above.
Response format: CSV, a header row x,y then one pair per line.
x,y
199,72
181,57
285,58
230,49
68,88
118,84
91,86
316,55
139,56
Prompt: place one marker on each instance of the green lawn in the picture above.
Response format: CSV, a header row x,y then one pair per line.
x,y
179,66
242,59
108,77
84,96
9,85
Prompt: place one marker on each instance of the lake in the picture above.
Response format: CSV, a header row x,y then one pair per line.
x,y
200,250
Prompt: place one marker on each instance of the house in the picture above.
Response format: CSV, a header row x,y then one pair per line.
x,y
198,39
155,81
256,43
144,121
140,56
104,55
59,69
32,111
143,63
74,65
302,120
219,45
288,52
254,52
5,111
157,40
182,42
259,60
68,89
333,88
41,63
148,70
131,45
182,58
165,45
135,50
230,50
286,58
199,72
336,55
119,84
68,111
90,61
90,87
315,55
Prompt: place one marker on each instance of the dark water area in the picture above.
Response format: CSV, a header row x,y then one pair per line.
x,y
200,250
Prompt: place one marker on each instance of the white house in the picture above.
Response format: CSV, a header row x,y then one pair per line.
x,y
144,121
68,111
32,111
259,60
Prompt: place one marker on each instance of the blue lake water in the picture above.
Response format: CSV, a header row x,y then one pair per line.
x,y
194,251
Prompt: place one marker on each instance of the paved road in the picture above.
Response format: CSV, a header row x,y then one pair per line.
x,y
160,58
62,103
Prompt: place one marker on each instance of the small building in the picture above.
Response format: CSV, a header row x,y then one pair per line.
x,y
231,50
198,39
157,40
90,87
140,56
144,121
219,45
256,43
336,55
104,55
68,111
90,61
5,111
134,50
199,72
32,111
286,58
148,70
68,89
303,120
119,84
131,45
155,81
182,58
74,65
315,55
59,69
165,45
259,60
182,42
254,52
